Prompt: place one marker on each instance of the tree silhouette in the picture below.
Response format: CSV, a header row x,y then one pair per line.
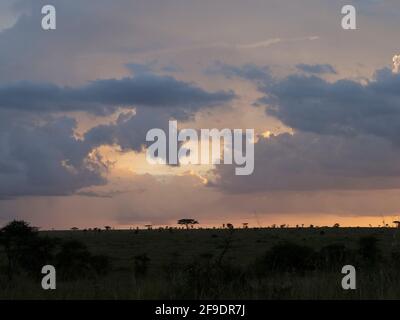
x,y
397,223
187,222
229,225
24,249
14,237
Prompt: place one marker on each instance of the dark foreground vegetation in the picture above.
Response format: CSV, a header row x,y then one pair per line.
x,y
290,263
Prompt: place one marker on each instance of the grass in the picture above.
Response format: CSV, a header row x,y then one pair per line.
x,y
183,265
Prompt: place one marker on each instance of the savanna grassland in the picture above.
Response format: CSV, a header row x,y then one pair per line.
x,y
262,263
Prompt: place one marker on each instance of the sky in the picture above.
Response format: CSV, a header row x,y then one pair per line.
x,y
76,104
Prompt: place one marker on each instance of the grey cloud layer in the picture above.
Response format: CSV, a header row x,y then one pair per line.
x,y
316,68
45,159
308,161
248,71
309,103
105,96
346,136
39,153
129,131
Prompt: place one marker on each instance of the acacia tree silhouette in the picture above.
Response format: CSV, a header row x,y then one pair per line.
x,y
187,222
229,225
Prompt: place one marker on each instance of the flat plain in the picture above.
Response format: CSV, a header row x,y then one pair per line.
x,y
253,263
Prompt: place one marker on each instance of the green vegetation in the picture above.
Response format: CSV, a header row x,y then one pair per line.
x,y
270,263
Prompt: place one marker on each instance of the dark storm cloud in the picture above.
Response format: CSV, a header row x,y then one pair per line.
x,y
105,96
316,68
129,131
308,161
42,156
312,104
45,159
346,136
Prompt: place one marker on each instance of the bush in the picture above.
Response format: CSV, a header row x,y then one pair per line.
x,y
395,255
25,250
101,264
74,261
208,279
141,263
333,255
41,253
368,249
287,257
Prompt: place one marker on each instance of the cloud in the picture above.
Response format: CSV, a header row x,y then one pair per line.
x,y
45,159
269,42
40,154
396,63
346,134
129,131
260,44
248,71
316,68
345,107
75,51
312,162
105,96
153,67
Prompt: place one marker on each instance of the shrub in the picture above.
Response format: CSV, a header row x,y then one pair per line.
x,y
25,250
101,264
209,279
333,255
74,261
41,253
287,257
368,249
141,264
